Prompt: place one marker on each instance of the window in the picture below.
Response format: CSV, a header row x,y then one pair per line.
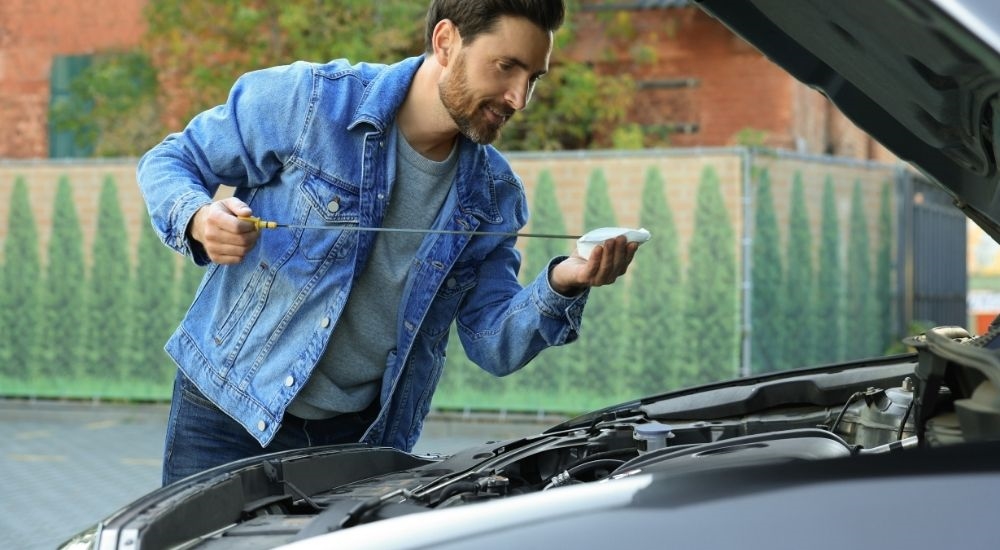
x,y
63,142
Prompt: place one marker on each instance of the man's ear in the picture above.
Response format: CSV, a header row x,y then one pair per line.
x,y
445,41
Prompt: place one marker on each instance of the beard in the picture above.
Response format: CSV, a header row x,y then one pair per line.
x,y
478,120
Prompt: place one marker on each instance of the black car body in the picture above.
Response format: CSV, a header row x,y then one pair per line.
x,y
898,451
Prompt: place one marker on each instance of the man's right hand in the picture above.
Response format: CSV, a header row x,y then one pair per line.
x,y
225,238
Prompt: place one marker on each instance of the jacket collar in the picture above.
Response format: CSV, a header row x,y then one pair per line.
x,y
474,180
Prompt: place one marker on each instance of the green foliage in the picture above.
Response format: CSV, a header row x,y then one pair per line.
x,y
466,379
548,370
628,136
198,49
669,333
860,328
767,306
109,309
573,108
21,315
829,312
5,343
64,298
112,106
152,310
711,312
202,47
546,217
619,25
750,137
883,272
188,282
656,336
599,349
453,378
914,328
799,313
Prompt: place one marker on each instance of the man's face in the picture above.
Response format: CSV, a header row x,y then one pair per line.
x,y
494,76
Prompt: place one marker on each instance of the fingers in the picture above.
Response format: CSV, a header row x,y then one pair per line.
x,y
235,206
225,238
610,260
606,263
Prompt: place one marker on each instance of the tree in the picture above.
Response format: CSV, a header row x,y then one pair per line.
x,y
451,388
64,301
859,273
22,271
193,52
188,282
766,306
5,344
829,313
109,296
573,108
200,48
799,335
656,297
599,347
546,217
883,275
545,373
152,310
712,313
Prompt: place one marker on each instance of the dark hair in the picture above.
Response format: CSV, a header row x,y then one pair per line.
x,y
474,17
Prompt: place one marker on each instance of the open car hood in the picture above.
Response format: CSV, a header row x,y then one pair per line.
x,y
888,438
920,76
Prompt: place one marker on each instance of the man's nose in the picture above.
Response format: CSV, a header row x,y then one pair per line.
x,y
517,96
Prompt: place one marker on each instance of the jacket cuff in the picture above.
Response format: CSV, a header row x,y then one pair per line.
x,y
555,305
180,219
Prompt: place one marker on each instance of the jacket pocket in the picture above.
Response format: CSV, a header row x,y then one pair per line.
x,y
326,203
250,294
445,304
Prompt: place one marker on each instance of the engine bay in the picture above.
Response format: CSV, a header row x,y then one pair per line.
x,y
944,394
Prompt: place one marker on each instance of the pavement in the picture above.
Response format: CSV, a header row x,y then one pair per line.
x,y
66,465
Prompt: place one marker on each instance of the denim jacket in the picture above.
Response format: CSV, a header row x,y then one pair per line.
x,y
310,144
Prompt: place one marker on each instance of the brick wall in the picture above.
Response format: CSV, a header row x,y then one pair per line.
x,y
32,32
735,87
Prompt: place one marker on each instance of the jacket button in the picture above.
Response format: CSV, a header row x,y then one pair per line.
x,y
289,382
325,322
262,425
451,283
333,205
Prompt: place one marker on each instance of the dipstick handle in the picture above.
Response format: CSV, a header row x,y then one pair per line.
x,y
258,223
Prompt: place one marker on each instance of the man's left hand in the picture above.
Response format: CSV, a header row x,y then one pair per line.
x,y
607,262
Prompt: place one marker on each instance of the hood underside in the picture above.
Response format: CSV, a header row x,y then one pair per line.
x,y
920,76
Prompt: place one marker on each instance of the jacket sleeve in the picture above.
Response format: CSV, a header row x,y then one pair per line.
x,y
243,143
503,326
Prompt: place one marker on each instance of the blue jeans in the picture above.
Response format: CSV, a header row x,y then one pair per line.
x,y
200,436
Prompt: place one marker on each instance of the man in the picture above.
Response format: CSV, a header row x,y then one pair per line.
x,y
305,336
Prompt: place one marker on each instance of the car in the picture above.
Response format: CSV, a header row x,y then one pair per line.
x,y
900,451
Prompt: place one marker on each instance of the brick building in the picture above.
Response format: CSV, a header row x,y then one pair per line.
x,y
698,84
705,86
41,37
